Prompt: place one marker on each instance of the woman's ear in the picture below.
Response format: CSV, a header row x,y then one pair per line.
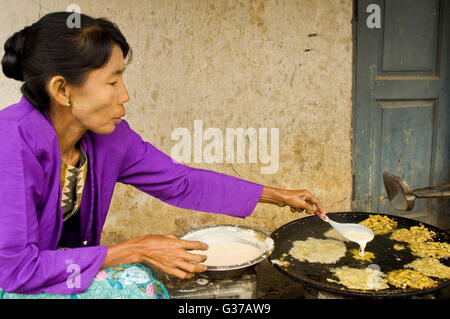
x,y
59,90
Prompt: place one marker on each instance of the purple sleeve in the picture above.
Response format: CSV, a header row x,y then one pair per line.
x,y
24,267
158,175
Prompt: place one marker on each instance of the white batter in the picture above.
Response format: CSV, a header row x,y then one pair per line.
x,y
227,254
361,238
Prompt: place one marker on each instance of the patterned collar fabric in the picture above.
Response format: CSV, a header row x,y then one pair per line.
x,y
72,184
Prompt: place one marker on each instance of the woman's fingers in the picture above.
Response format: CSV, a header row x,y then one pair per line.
x,y
170,236
189,267
303,206
174,271
189,244
309,208
317,203
177,266
194,245
195,258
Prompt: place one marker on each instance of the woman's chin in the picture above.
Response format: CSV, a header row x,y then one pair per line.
x,y
106,129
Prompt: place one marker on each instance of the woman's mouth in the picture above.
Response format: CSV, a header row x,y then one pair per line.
x,y
117,120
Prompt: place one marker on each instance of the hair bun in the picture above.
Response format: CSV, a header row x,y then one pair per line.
x,y
12,60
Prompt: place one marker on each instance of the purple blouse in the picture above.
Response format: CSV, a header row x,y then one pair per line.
x,y
30,197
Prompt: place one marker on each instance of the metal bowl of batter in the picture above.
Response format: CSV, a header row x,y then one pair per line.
x,y
232,249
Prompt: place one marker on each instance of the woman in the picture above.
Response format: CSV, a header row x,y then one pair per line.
x,y
63,148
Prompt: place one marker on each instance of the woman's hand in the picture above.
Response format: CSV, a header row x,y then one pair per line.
x,y
165,252
297,200
170,254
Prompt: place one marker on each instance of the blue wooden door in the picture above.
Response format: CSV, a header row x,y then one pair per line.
x,y
401,106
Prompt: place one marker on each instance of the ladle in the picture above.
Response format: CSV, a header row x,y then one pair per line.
x,y
353,232
402,197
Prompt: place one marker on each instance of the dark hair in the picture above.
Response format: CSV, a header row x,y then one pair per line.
x,y
49,47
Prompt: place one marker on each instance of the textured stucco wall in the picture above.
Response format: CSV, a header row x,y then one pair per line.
x,y
231,64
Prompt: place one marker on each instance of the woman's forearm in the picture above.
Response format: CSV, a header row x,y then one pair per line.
x,y
122,253
273,195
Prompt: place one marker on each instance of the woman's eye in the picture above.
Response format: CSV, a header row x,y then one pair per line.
x,y
113,83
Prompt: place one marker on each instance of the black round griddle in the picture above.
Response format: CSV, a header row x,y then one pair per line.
x,y
386,257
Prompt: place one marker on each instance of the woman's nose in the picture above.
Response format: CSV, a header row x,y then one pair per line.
x,y
124,96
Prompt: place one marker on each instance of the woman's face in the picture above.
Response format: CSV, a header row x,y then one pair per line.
x,y
98,104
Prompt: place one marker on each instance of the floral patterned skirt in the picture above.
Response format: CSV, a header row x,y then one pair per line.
x,y
135,281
